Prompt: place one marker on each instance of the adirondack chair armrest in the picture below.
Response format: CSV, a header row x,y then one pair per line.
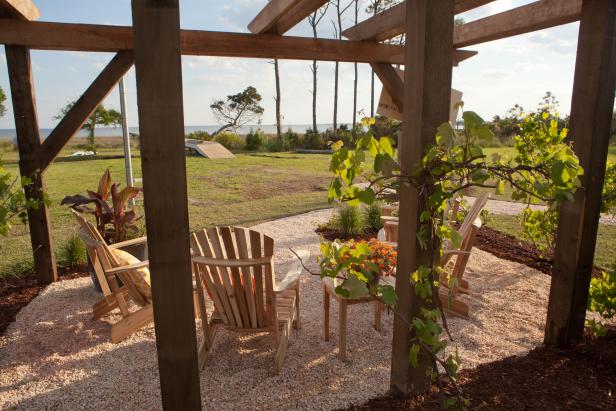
x,y
293,274
128,243
455,252
129,267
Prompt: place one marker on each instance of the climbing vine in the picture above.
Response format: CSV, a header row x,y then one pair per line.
x,y
544,168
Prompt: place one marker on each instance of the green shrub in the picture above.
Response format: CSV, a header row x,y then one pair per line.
x,y
72,253
276,145
255,140
292,138
539,227
199,135
231,141
372,217
349,221
313,140
18,268
602,300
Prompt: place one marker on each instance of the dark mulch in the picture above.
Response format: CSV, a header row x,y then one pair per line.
x,y
17,292
510,248
580,378
332,234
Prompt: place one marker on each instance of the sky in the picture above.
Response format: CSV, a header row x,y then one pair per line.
x,y
505,72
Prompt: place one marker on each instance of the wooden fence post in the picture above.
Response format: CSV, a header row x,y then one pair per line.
x,y
156,27
29,144
591,115
427,93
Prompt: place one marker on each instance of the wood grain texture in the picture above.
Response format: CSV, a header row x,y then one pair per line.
x,y
89,37
85,106
525,19
161,124
591,112
29,145
427,92
391,22
19,9
270,14
296,14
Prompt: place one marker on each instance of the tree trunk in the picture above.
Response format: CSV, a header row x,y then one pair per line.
x,y
314,95
278,116
374,12
356,76
91,137
220,130
336,97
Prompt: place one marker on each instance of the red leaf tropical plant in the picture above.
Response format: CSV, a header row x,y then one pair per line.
x,y
113,220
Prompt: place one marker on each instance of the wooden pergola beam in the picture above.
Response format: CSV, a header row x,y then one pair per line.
x,y
19,9
85,106
270,14
102,38
592,105
525,19
296,14
391,82
391,22
29,145
535,16
158,68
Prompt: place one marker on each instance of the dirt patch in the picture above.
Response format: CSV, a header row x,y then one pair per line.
x,y
583,377
301,184
17,292
332,234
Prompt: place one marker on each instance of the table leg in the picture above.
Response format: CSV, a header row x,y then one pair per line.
x,y
325,314
342,325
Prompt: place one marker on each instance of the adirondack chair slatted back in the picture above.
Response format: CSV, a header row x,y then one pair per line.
x,y
237,271
473,214
103,259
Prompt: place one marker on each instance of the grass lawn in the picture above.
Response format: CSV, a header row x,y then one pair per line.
x,y
604,252
243,191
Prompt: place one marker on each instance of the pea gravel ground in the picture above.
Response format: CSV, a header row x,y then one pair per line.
x,y
55,357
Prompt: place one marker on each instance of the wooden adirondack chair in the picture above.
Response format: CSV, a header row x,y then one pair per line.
x,y
235,265
108,268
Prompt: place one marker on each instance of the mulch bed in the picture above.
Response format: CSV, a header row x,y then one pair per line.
x,y
580,378
17,292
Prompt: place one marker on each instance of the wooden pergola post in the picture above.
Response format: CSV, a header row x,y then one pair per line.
x,y
427,93
591,114
29,144
156,27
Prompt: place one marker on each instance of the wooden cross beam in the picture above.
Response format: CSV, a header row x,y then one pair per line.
x,y
85,106
87,37
19,9
391,22
525,19
267,19
296,14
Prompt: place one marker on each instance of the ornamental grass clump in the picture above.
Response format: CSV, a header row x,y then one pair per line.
x,y
349,221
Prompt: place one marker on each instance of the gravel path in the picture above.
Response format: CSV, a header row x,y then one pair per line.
x,y
55,357
511,208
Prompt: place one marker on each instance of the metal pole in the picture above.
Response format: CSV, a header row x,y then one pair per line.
x,y
126,137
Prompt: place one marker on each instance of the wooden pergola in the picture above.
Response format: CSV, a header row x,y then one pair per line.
x,y
155,43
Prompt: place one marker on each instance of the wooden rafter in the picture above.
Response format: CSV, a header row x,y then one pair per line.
x,y
391,22
525,19
19,9
268,17
86,37
296,14
83,108
391,82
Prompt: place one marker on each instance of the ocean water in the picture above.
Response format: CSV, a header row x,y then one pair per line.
x,y
10,133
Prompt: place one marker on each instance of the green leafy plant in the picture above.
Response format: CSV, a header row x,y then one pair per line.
x,y
2,100
199,135
72,253
313,140
602,300
115,221
255,140
539,227
292,138
372,216
349,221
545,168
230,141
13,202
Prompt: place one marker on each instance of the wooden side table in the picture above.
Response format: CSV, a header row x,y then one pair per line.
x,y
329,288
